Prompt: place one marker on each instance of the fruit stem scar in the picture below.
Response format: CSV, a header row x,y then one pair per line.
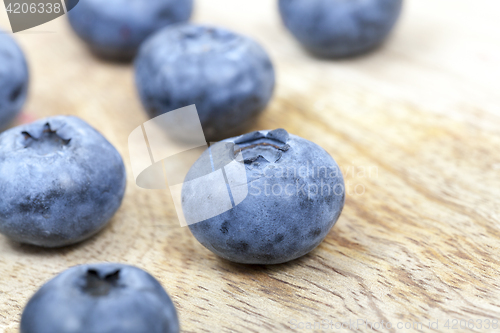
x,y
97,285
46,130
284,148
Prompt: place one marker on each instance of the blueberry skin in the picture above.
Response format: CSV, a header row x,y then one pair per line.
x,y
14,79
283,217
229,77
101,298
61,181
115,29
340,28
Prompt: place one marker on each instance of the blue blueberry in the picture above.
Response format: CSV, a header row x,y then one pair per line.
x,y
60,182
116,28
14,79
101,298
295,196
229,77
340,28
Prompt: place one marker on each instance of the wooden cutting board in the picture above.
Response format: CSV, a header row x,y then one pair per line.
x,y
415,128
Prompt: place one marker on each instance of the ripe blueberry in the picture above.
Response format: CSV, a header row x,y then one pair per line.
x,y
101,298
340,28
60,181
295,196
115,28
229,77
14,79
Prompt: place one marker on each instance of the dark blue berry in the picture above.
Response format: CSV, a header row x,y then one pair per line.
x,y
14,79
229,77
295,196
340,28
101,298
60,182
116,28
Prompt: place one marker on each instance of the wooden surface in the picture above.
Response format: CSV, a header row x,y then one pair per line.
x,y
419,237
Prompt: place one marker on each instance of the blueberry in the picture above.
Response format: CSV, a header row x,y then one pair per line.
x,y
60,181
100,298
14,79
295,196
115,28
229,77
340,28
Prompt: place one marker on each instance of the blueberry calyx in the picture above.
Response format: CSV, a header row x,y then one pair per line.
x,y
263,148
47,142
98,285
257,145
206,39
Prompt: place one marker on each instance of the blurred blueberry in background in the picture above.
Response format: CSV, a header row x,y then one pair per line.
x,y
14,79
340,28
229,77
115,29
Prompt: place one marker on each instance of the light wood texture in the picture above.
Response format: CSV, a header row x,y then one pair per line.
x,y
418,241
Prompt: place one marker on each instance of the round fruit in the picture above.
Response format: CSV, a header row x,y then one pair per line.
x,y
340,28
116,28
282,206
229,77
61,181
101,298
14,79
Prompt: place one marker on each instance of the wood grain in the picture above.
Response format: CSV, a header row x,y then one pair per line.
x,y
414,126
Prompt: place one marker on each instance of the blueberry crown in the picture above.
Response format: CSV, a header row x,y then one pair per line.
x,y
268,146
100,285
